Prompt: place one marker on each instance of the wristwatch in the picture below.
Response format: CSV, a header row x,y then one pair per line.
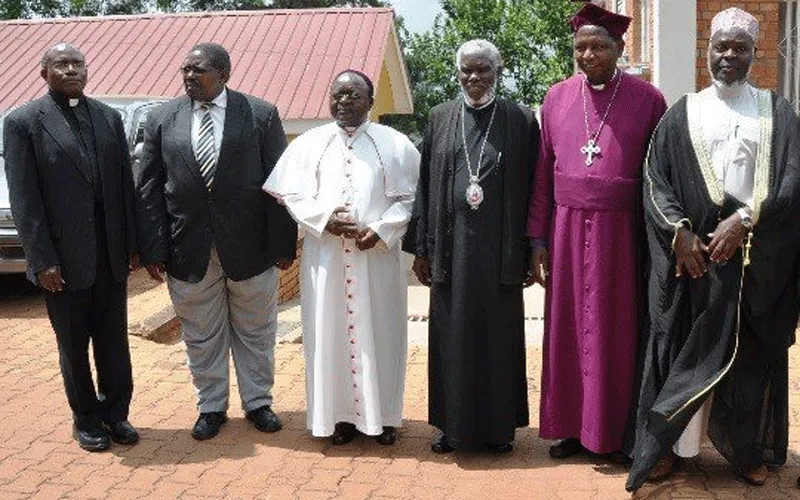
x,y
747,220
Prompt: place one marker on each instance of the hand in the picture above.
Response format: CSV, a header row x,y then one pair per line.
x,y
539,260
689,254
422,270
284,264
156,271
367,239
134,263
727,238
50,279
340,224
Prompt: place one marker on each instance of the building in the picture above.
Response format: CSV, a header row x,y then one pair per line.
x,y
287,57
668,40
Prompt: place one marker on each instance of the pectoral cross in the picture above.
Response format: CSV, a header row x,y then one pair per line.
x,y
591,149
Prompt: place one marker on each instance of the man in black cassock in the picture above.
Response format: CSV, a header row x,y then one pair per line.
x,y
722,203
468,234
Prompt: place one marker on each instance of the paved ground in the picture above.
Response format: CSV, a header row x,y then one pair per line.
x,y
38,458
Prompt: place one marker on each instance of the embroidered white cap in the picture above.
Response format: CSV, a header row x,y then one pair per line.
x,y
735,18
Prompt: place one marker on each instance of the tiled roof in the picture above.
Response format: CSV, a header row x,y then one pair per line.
x,y
287,57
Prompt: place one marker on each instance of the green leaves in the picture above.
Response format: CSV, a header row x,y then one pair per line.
x,y
533,37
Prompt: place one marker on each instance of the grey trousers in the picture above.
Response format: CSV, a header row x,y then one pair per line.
x,y
221,316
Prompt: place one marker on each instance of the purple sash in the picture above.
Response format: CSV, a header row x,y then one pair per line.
x,y
597,193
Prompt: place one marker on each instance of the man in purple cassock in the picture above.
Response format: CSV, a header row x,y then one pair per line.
x,y
586,222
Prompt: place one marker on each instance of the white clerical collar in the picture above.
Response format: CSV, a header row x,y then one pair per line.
x,y
602,86
73,102
221,101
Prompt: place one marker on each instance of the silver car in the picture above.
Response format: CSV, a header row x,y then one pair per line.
x,y
134,112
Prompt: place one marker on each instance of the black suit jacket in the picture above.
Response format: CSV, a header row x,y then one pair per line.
x,y
52,200
179,218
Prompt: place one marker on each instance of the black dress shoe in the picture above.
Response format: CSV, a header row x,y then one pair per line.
x,y
500,448
93,439
565,448
387,437
122,432
264,419
343,433
208,424
440,445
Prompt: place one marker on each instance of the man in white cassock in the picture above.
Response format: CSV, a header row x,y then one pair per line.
x,y
350,186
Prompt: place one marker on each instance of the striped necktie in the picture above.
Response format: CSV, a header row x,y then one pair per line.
x,y
206,150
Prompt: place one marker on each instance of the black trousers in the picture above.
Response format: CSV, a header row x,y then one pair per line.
x,y
98,313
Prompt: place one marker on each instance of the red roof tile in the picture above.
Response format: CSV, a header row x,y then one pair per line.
x,y
285,56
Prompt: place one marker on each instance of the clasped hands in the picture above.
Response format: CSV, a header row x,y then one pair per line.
x,y
691,252
343,225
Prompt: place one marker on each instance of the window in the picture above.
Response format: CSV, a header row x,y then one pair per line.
x,y
645,31
789,49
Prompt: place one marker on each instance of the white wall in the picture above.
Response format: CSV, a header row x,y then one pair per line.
x,y
675,47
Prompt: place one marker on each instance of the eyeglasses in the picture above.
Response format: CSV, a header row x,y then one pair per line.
x,y
65,65
351,96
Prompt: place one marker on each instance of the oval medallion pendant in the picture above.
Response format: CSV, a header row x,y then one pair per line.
x,y
474,194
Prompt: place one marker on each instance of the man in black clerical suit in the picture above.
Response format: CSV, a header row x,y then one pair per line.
x,y
71,188
204,220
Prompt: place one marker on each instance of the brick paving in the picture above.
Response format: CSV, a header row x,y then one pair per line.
x,y
39,459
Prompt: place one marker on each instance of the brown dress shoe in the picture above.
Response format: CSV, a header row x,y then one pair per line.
x,y
757,477
664,468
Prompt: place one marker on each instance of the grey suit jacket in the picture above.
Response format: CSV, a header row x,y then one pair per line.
x,y
179,219
52,200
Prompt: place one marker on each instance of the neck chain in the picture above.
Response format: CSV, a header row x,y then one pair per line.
x,y
591,149
474,190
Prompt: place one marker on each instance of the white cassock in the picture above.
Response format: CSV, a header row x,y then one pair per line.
x,y
353,302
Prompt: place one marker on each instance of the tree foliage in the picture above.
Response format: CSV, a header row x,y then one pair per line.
x,y
532,36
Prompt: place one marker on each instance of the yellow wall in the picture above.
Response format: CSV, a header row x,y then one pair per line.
x,y
384,101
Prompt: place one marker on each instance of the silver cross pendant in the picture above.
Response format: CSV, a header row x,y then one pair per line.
x,y
591,149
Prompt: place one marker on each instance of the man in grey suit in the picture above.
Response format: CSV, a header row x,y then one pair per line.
x,y
204,220
71,188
